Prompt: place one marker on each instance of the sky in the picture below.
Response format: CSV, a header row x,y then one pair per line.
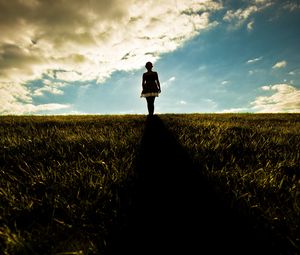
x,y
88,57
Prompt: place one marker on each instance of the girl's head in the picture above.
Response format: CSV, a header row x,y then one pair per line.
x,y
149,65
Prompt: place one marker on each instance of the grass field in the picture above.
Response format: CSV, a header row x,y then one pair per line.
x,y
60,180
67,183
254,159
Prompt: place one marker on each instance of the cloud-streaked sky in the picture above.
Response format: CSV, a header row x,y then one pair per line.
x,y
87,57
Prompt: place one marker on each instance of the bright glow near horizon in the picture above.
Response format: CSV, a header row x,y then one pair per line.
x,y
88,57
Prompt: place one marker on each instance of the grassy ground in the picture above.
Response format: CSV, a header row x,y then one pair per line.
x,y
252,158
105,184
61,179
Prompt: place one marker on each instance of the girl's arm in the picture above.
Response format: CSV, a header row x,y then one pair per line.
x,y
158,83
143,81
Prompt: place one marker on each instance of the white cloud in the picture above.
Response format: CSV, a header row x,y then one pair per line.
x,y
250,25
211,104
68,75
94,39
266,88
250,61
88,40
224,82
240,14
292,6
235,110
285,98
280,64
50,87
261,1
47,89
167,83
251,72
16,99
182,102
237,17
30,108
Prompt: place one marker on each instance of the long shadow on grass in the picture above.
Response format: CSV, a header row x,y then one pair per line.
x,y
175,211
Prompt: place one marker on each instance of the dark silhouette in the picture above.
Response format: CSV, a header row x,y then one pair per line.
x,y
175,210
150,86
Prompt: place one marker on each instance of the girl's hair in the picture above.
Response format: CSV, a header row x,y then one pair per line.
x,y
148,65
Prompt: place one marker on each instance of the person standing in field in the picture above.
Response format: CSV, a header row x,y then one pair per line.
x,y
150,86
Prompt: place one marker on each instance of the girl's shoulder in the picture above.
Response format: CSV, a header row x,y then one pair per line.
x,y
150,73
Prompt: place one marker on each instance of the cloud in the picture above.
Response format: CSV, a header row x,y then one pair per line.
x,y
280,64
235,110
291,6
16,99
47,89
284,98
261,1
236,18
266,88
250,61
211,104
240,14
281,98
251,72
182,102
50,87
89,40
250,25
167,83
224,82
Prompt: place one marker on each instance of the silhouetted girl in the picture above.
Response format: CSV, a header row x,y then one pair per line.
x,y
151,87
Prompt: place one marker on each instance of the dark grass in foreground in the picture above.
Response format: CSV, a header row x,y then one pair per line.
x,y
253,160
116,184
61,179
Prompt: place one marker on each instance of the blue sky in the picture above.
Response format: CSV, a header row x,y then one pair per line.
x,y
211,56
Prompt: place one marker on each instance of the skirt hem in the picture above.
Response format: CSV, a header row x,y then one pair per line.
x,y
151,94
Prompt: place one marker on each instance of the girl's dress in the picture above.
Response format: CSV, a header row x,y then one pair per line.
x,y
150,88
